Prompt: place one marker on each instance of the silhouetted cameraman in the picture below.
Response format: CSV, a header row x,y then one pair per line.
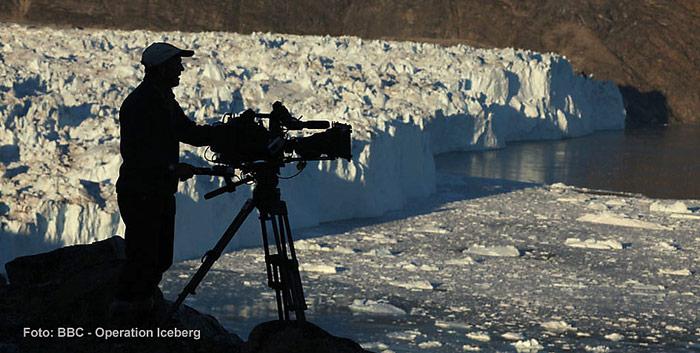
x,y
152,125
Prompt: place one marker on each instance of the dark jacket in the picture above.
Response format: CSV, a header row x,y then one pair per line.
x,y
152,124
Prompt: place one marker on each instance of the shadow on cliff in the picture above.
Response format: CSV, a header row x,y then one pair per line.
x,y
648,108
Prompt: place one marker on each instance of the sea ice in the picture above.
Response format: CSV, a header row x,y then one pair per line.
x,y
665,207
617,220
408,335
496,251
479,336
430,344
414,284
528,346
614,337
675,272
609,244
513,336
596,349
557,326
452,325
318,268
368,306
460,261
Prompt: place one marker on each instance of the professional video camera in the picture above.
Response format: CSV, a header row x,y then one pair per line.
x,y
245,144
244,139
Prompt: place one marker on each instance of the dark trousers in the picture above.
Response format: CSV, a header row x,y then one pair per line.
x,y
149,235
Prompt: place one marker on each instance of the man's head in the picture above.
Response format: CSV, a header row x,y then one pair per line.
x,y
163,62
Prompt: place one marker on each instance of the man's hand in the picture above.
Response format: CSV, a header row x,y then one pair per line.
x,y
183,171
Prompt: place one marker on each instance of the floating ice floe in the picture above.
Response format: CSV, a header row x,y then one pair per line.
x,y
617,220
685,216
460,261
430,344
368,306
412,284
665,207
319,268
381,252
381,346
528,346
452,325
675,272
513,336
408,335
666,246
614,337
675,328
429,228
596,349
557,326
496,251
609,244
480,336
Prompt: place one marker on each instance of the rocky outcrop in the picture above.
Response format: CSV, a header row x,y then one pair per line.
x,y
296,337
649,48
72,287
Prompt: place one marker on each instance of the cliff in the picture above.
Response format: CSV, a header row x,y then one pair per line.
x,y
649,48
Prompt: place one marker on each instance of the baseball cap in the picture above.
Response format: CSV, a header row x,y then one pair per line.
x,y
159,52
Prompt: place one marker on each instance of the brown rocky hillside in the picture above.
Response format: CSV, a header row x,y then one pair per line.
x,y
649,47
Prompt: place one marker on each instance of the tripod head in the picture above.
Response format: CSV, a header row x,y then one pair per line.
x,y
261,173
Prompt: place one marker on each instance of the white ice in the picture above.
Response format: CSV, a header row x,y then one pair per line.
x,y
60,91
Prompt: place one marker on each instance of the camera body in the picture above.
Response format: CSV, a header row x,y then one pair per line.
x,y
241,140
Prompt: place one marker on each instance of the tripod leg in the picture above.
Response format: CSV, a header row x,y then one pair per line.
x,y
282,264
296,286
212,255
273,278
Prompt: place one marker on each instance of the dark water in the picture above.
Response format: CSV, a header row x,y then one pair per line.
x,y
659,163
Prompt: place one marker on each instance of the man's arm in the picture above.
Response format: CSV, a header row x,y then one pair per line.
x,y
189,132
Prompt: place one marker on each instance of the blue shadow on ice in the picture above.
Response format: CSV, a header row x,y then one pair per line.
x,y
450,188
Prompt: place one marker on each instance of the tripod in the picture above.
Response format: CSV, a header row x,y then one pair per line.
x,y
281,265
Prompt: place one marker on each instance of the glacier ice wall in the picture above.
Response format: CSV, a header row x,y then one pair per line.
x,y
60,91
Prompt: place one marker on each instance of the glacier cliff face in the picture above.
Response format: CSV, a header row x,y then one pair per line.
x,y
60,92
